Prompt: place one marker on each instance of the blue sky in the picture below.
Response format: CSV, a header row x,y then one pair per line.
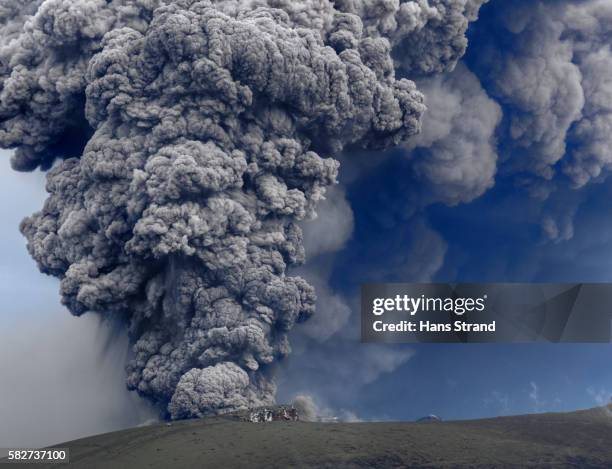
x,y
496,238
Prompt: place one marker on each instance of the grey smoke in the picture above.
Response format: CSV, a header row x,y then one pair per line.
x,y
339,383
428,36
308,410
332,227
186,140
455,155
554,84
418,252
329,365
323,238
538,82
589,28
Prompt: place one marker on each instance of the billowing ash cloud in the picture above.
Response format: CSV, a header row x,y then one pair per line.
x,y
455,155
187,139
428,36
554,84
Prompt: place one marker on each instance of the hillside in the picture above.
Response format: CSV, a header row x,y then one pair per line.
x,y
581,439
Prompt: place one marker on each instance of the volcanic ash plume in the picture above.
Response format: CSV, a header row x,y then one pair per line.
x,y
186,139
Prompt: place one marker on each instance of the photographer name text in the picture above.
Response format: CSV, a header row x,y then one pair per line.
x,y
412,306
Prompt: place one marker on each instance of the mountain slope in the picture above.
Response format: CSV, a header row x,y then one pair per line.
x,y
581,439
